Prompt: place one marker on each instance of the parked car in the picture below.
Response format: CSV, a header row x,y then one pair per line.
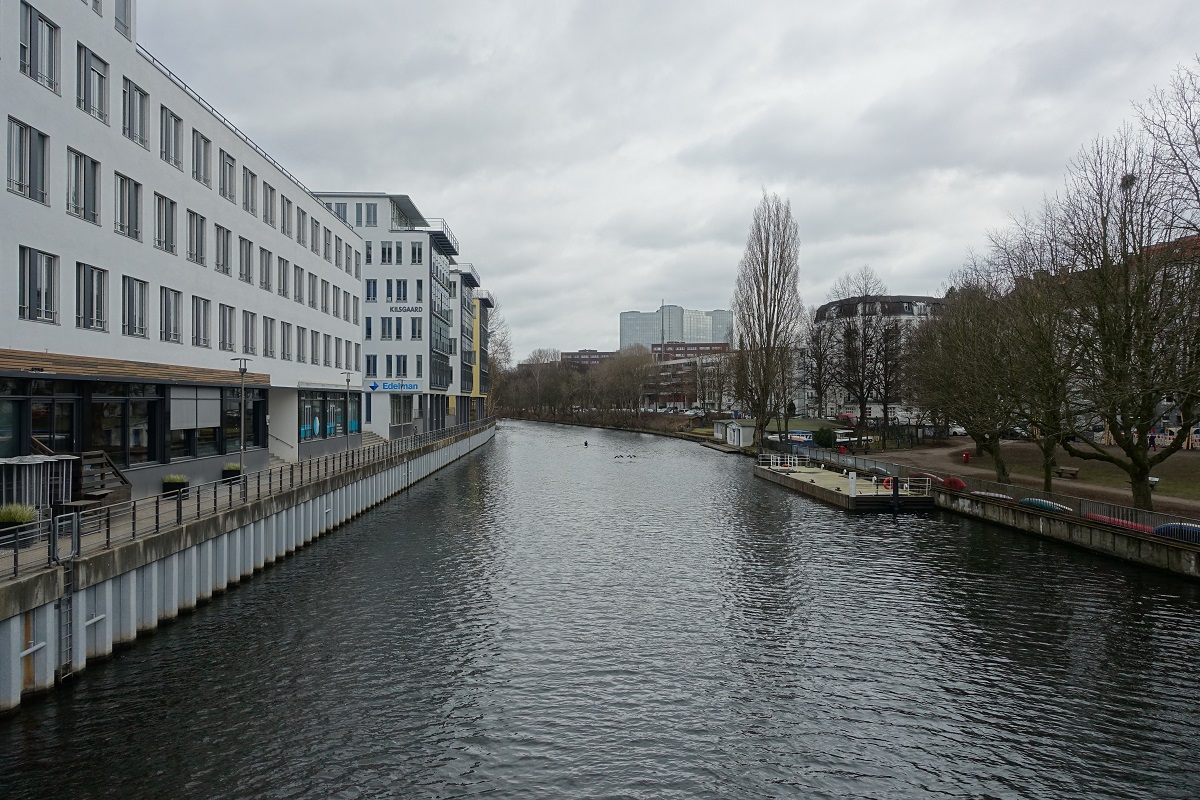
x,y
957,430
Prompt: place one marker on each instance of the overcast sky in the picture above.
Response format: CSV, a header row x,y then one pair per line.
x,y
598,157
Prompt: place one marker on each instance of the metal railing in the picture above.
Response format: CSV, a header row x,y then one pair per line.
x,y
875,478
1137,521
101,528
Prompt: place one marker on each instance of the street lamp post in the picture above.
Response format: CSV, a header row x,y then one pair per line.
x,y
346,424
242,419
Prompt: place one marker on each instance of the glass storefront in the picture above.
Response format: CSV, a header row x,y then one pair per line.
x,y
324,415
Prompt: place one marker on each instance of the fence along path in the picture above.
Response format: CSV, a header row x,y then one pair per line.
x,y
76,534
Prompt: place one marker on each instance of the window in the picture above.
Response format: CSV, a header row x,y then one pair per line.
x,y
249,332
372,290
38,285
340,210
345,305
372,215
301,344
315,355
164,223
399,328
200,321
91,297
357,264
312,290
196,236
285,275
420,293
418,375
39,47
285,216
316,236
371,366
169,318
225,319
367,329
134,298
416,328
245,260
328,245
92,86
227,188
337,252
266,261
27,161
301,227
385,327
269,204
170,138
337,352
337,302
83,190
357,355
327,359
358,215
402,367
123,15
368,253
388,364
134,107
388,284
356,310
128,221
268,350
348,252
385,252
402,290
417,257
224,257
285,341
298,282
325,296
249,191
201,158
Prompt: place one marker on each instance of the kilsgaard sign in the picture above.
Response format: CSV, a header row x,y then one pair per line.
x,y
394,386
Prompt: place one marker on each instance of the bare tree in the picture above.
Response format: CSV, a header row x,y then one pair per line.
x,y
1137,290
890,350
766,310
819,357
858,328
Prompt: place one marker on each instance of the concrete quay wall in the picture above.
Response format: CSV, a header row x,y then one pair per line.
x,y
127,590
1177,557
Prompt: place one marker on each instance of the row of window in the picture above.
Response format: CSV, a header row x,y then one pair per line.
x,y
38,289
394,366
39,55
27,149
387,325
372,217
395,291
416,253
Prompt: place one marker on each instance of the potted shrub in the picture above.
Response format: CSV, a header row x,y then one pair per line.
x,y
231,469
175,483
14,515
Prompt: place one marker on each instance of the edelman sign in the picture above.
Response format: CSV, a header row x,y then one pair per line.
x,y
395,386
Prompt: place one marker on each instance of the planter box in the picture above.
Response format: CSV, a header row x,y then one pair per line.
x,y
170,488
226,474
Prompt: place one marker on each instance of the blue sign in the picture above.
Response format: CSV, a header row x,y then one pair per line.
x,y
400,386
374,386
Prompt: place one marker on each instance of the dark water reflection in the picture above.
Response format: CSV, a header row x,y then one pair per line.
x,y
545,620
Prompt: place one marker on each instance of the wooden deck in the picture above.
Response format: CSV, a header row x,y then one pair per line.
x,y
832,487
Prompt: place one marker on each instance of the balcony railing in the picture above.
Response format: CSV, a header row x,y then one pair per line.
x,y
442,236
469,276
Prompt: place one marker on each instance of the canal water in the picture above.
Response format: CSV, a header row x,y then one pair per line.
x,y
641,618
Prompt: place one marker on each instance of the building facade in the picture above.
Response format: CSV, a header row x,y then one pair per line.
x,y
153,250
674,324
420,340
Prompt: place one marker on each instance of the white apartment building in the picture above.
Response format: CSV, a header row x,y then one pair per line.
x,y
147,246
419,317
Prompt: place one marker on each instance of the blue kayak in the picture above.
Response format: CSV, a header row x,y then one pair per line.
x,y
1178,530
1045,505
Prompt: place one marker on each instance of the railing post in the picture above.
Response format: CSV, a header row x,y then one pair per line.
x,y
179,507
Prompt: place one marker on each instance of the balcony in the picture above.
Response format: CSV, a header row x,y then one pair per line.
x,y
467,275
443,238
484,297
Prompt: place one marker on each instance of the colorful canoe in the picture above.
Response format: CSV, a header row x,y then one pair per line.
x,y
1045,505
1178,530
1119,523
992,496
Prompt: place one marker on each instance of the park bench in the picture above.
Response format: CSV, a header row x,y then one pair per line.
x,y
1067,472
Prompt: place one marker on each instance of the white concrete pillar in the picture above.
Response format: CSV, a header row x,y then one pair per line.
x,y
169,591
258,539
148,588
204,570
79,631
12,642
99,622
44,626
233,550
248,548
220,562
188,578
125,607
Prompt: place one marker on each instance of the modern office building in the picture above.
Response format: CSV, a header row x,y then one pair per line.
x,y
419,320
674,324
149,250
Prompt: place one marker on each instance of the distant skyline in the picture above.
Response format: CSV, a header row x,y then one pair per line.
x,y
593,158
